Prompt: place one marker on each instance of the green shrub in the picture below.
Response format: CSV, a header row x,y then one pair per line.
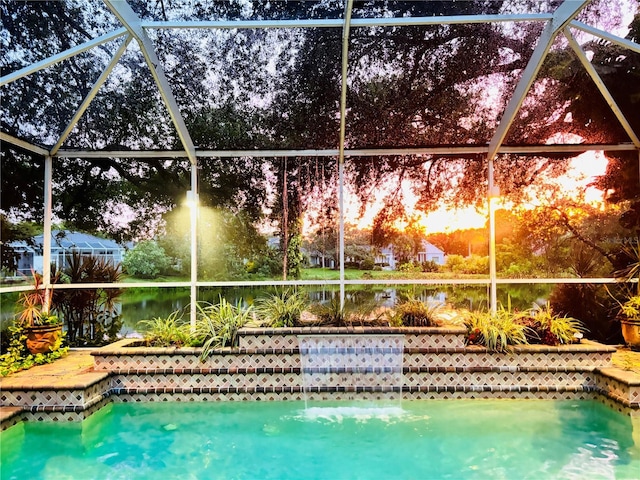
x,y
331,314
283,309
430,266
475,264
367,264
415,313
548,328
92,315
497,332
218,324
454,263
166,332
409,267
18,357
146,260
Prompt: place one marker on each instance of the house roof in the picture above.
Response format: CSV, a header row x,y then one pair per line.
x,y
65,239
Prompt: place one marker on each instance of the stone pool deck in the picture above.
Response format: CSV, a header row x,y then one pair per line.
x,y
267,367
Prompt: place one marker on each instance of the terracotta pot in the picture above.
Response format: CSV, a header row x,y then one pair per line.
x,y
42,338
631,332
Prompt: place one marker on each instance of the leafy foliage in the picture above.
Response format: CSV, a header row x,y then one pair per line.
x,y
37,304
281,309
18,357
416,313
546,327
331,313
497,332
146,260
91,315
169,331
218,324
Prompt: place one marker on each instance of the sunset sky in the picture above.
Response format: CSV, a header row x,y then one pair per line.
x,y
584,168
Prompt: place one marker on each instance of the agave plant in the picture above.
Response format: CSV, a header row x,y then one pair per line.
x,y
281,309
218,324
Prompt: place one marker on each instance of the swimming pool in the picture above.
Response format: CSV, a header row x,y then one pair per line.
x,y
435,439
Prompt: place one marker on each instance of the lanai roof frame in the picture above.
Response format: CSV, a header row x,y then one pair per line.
x,y
557,22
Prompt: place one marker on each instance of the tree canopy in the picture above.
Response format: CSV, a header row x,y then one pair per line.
x,y
279,88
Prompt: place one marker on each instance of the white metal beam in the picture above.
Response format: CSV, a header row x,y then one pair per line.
x,y
355,152
48,219
5,137
562,16
47,62
623,42
130,20
338,22
343,125
193,234
588,66
90,96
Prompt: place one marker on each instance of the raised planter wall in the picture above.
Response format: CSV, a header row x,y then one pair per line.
x,y
436,365
267,366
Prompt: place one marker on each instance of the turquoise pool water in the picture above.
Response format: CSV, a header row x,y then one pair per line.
x,y
476,439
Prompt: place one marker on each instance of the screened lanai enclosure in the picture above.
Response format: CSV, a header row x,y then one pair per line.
x,y
346,147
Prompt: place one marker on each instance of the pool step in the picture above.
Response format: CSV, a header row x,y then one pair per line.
x,y
127,356
440,377
52,398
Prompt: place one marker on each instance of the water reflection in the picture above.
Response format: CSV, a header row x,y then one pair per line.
x,y
146,303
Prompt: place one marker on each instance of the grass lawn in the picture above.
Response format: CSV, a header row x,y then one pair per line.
x,y
354,274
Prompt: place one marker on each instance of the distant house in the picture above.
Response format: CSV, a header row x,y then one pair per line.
x,y
428,252
318,259
63,245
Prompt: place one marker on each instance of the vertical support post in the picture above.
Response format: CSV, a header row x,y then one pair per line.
x,y
492,194
343,123
341,210
46,239
193,214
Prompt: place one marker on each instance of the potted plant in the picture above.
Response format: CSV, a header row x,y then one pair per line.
x,y
630,321
629,314
42,328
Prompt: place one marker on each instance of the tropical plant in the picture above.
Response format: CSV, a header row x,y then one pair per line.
x,y
416,313
546,327
631,308
218,324
281,309
92,315
167,331
332,313
497,332
18,357
37,304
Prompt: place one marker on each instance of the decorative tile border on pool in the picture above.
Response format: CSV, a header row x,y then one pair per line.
x,y
416,337
444,393
68,398
267,366
621,386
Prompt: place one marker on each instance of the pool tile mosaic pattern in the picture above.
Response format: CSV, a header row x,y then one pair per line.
x,y
267,366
